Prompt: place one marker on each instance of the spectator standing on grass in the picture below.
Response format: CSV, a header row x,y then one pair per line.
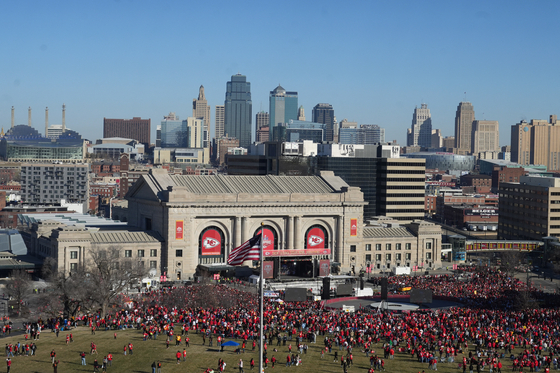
x,y
9,364
158,366
83,356
154,367
178,356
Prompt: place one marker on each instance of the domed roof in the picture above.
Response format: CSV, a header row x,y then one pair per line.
x,y
22,130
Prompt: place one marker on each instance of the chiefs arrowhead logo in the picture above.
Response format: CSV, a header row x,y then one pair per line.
x,y
210,243
314,240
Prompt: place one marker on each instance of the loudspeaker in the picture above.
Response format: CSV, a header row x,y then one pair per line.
x,y
361,283
326,288
384,288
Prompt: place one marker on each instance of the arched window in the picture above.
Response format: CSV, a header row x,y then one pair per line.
x,y
211,242
316,237
270,237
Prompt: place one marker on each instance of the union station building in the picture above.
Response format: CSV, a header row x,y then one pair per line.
x,y
307,222
311,225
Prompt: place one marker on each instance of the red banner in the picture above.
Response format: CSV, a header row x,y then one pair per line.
x,y
306,252
268,239
268,269
353,227
315,239
324,267
178,229
211,243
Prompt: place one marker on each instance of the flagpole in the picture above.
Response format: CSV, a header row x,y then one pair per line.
x,y
261,305
261,310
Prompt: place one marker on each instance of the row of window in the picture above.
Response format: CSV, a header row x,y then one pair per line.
x,y
127,253
153,264
398,257
388,246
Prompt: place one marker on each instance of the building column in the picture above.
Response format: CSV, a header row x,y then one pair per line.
x,y
290,233
339,238
298,242
246,235
237,235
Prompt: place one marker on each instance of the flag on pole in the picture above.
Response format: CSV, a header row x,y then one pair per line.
x,y
250,250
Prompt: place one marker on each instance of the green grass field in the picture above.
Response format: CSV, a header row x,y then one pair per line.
x,y
199,357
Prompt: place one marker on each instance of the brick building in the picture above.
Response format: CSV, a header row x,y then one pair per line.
x,y
135,128
504,174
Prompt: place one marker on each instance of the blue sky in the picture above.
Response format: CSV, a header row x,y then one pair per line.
x,y
374,61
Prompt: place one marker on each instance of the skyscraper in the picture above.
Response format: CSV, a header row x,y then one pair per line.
x,y
219,130
464,119
421,130
537,142
485,136
261,119
201,108
238,110
283,106
301,114
324,113
263,132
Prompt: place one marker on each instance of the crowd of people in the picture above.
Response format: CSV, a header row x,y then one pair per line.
x,y
486,332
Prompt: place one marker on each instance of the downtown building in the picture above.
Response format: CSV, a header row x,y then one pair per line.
x,y
420,132
43,183
324,113
536,143
530,209
135,128
283,107
238,110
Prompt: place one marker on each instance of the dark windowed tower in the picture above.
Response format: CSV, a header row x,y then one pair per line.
x,y
238,110
324,113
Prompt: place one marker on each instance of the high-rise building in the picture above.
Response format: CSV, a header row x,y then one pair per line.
x,y
49,183
176,133
261,120
537,142
420,132
296,130
520,219
464,119
367,134
219,128
324,113
135,128
238,110
283,106
485,136
202,110
301,114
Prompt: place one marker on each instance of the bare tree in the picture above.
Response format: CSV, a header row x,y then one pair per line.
x,y
511,261
68,292
112,274
18,287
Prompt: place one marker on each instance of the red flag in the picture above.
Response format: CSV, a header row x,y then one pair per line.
x,y
250,250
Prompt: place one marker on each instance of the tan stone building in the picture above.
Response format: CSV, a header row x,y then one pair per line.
x,y
71,245
307,220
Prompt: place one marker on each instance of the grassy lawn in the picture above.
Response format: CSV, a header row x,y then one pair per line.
x,y
199,357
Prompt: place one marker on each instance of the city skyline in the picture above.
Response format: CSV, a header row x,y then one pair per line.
x,y
100,64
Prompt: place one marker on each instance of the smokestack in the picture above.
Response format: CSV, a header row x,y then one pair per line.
x,y
12,117
29,116
47,121
63,118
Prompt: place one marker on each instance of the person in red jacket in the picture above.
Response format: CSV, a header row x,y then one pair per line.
x,y
178,355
